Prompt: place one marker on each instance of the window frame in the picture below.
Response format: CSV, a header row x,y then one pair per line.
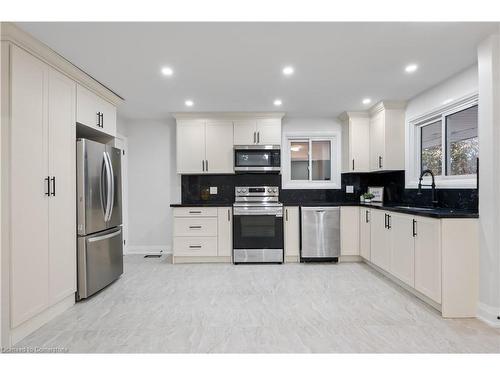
x,y
414,161
335,161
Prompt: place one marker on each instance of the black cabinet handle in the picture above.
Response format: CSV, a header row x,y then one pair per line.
x,y
229,215
352,164
206,164
102,120
195,246
47,179
389,224
195,212
380,161
385,220
286,214
366,216
203,165
414,227
53,186
258,137
254,137
195,227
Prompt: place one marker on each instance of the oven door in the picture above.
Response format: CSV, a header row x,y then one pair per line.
x,y
251,159
257,236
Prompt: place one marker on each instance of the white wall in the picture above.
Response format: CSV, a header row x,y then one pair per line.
x,y
489,185
152,183
311,126
452,90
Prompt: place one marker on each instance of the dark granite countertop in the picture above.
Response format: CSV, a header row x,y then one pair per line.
x,y
204,204
438,213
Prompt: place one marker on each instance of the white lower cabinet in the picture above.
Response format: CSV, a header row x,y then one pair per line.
x,y
380,240
225,231
292,234
349,230
402,247
202,234
428,257
42,188
364,232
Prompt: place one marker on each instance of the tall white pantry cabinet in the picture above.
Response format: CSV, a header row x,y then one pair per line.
x,y
38,181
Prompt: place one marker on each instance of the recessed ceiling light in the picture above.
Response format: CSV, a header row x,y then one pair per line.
x,y
167,71
288,70
278,102
411,68
189,103
367,101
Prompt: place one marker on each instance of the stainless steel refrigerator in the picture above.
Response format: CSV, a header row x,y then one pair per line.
x,y
100,239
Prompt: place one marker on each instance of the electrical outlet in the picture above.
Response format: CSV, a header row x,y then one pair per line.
x,y
213,190
349,189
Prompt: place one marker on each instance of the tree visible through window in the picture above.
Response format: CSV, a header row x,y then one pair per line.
x,y
461,140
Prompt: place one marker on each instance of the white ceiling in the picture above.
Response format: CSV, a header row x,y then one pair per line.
x,y
237,66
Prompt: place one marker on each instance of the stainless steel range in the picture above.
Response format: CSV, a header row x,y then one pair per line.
x,y
258,225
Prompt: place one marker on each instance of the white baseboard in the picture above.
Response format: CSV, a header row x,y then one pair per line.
x,y
488,314
147,249
20,332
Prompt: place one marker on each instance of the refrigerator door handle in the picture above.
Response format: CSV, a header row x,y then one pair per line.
x,y
109,188
112,189
103,193
105,237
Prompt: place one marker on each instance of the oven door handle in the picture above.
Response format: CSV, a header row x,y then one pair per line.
x,y
257,212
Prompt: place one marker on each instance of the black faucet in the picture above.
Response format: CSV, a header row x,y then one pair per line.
x,y
432,185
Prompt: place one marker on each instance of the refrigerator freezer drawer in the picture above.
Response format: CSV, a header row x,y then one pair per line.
x,y
100,261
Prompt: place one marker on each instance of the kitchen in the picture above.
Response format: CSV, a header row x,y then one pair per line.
x,y
261,201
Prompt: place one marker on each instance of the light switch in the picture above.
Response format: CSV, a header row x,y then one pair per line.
x,y
349,189
213,190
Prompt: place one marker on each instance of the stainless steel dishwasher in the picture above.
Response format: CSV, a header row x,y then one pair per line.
x,y
320,234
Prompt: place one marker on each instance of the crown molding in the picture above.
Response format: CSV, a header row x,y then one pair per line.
x,y
13,34
344,116
228,115
387,104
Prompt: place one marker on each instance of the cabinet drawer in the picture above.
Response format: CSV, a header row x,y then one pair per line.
x,y
195,227
195,211
195,246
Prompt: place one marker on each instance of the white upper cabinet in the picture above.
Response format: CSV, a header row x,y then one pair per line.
x,y
269,132
387,136
204,147
219,147
245,132
190,146
355,142
95,112
257,132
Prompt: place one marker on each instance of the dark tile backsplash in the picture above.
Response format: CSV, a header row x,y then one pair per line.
x,y
195,189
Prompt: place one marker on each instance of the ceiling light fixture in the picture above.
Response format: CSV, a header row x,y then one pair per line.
x,y
288,70
278,102
189,103
411,68
367,101
166,71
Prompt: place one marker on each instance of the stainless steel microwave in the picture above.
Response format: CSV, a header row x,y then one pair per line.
x,y
257,158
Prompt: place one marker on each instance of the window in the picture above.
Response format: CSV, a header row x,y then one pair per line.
x,y
446,142
311,163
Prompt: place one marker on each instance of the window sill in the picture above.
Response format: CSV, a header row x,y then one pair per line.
x,y
448,183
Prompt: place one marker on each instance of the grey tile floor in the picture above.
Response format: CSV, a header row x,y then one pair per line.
x,y
159,307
